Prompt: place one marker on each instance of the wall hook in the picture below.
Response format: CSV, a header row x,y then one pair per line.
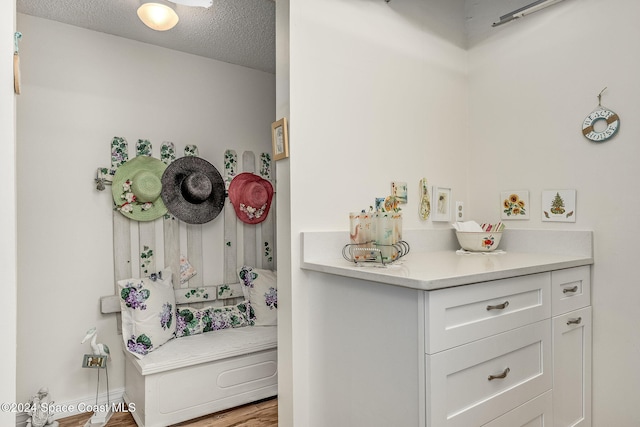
x,y
100,184
103,178
600,97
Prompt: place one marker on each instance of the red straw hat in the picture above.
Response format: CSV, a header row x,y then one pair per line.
x,y
251,197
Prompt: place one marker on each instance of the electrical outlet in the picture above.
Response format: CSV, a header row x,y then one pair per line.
x,y
459,211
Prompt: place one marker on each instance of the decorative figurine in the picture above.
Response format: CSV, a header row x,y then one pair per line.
x,y
96,348
40,410
98,359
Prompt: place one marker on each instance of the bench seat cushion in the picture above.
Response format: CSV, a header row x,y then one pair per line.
x,y
207,347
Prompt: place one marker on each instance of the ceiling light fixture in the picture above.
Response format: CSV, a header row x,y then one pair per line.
x,y
158,15
528,9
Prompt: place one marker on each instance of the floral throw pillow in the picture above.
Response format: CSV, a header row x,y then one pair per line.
x,y
192,321
148,312
216,318
188,321
261,290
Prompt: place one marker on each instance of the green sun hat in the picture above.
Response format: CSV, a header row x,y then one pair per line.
x,y
136,188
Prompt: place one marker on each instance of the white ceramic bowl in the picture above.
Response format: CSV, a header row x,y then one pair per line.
x,y
479,241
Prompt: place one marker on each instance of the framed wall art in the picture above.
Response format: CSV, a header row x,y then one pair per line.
x,y
514,204
399,191
442,204
280,139
559,205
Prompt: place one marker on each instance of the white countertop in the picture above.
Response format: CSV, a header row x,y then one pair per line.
x,y
428,269
443,269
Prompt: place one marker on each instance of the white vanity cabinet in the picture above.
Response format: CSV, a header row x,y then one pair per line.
x,y
499,340
497,354
488,349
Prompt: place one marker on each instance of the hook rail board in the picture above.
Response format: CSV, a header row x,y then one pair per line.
x,y
244,360
145,247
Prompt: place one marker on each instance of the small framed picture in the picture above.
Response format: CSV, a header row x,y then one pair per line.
x,y
280,139
559,205
514,204
399,191
442,204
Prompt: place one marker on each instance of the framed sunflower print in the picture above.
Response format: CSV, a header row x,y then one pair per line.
x,y
280,139
514,204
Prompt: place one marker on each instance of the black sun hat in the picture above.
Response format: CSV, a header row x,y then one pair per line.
x,y
193,190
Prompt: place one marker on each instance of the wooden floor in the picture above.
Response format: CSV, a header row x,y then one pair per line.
x,y
258,414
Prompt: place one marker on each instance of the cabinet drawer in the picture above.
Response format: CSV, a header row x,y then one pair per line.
x,y
456,316
462,390
535,413
570,289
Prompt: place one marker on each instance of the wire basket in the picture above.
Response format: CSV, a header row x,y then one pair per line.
x,y
371,252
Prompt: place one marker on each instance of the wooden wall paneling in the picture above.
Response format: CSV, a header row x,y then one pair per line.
x,y
191,150
194,255
147,247
145,233
192,296
171,226
249,230
143,147
122,268
119,151
230,250
267,247
171,239
227,291
194,240
167,152
146,230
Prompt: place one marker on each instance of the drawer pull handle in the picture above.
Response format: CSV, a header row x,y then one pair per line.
x,y
574,321
501,376
567,290
498,307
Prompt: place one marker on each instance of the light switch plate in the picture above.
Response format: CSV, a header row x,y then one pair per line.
x,y
459,212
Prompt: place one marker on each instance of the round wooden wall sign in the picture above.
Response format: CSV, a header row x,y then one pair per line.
x,y
601,114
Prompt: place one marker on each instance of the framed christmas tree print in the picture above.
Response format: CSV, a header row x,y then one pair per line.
x,y
559,205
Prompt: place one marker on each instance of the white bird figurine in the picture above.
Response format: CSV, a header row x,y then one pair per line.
x,y
96,347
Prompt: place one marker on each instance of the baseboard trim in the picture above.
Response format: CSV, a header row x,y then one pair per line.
x,y
79,406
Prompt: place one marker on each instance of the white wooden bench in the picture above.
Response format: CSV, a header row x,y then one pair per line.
x,y
192,376
202,374
197,375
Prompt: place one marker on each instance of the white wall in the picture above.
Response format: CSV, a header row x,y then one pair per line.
x,y
81,88
532,83
378,93
283,226
8,252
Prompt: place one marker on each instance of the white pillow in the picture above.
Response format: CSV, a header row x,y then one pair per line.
x,y
261,290
148,312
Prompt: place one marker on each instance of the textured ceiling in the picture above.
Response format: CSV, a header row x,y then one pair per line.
x,y
239,32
